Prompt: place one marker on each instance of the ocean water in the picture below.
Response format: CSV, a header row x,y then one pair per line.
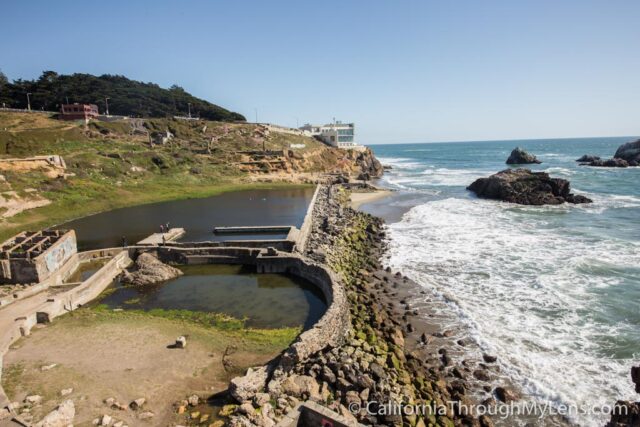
x,y
554,290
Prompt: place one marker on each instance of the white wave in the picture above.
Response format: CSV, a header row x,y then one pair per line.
x,y
400,162
452,177
527,291
559,171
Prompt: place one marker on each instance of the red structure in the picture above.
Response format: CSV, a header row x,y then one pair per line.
x,y
78,111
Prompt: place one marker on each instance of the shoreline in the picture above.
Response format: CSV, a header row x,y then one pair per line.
x,y
362,198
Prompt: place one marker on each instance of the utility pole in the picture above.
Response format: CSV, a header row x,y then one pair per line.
x,y
106,103
28,101
189,104
256,114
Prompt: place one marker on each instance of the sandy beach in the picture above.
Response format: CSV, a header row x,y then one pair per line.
x,y
359,199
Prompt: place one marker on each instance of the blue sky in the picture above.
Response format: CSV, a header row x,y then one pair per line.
x,y
403,71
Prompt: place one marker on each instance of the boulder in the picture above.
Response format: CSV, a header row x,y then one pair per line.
x,y
137,404
245,387
629,152
506,395
520,157
588,158
181,342
610,163
150,270
635,377
625,414
526,188
62,416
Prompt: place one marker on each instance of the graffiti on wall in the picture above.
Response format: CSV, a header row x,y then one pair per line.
x,y
57,256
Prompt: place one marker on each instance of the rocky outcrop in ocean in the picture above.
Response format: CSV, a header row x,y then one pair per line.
x,y
150,270
624,413
629,152
588,158
526,188
626,155
520,157
610,163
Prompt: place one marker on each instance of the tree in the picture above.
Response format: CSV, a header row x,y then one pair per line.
x,y
3,79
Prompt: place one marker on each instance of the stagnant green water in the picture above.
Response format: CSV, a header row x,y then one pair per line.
x,y
265,300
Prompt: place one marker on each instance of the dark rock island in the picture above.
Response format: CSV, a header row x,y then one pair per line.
x,y
526,188
626,155
520,157
629,152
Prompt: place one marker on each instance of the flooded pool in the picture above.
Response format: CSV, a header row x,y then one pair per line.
x,y
265,300
196,216
85,270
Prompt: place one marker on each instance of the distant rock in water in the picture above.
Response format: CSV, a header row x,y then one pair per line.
x,y
150,270
629,152
526,188
626,155
588,158
520,157
610,163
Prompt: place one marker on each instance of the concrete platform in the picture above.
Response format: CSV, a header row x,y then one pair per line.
x,y
156,238
253,229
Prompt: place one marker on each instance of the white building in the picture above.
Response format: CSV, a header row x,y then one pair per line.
x,y
338,134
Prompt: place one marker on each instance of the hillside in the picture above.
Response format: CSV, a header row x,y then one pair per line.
x,y
114,164
126,97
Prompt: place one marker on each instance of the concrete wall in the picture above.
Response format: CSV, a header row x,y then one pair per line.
x,y
307,223
13,326
333,326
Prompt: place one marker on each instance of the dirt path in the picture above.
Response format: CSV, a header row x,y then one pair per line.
x,y
124,356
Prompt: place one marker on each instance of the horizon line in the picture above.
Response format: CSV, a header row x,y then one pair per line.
x,y
502,140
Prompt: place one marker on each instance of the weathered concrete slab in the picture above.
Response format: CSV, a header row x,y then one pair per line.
x,y
253,229
156,238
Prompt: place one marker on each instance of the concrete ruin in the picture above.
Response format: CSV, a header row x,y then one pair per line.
x,y
33,256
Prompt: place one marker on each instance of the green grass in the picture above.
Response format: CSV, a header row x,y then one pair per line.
x,y
112,169
231,328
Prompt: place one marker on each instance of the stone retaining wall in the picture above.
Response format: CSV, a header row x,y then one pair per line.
x,y
334,325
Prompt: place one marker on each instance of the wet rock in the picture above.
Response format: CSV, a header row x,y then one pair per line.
x,y
481,375
610,163
526,188
629,152
150,270
506,395
489,358
625,414
635,377
485,421
520,157
588,158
